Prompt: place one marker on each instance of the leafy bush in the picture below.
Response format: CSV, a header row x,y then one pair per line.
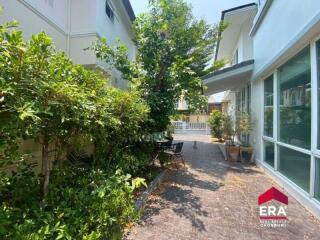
x,y
216,122
136,163
45,97
82,204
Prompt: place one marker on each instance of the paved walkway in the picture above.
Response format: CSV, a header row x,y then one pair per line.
x,y
213,199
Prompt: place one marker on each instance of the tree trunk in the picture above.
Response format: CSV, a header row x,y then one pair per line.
x,y
58,152
45,170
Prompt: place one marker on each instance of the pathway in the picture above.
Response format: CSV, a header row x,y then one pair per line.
x,y
213,199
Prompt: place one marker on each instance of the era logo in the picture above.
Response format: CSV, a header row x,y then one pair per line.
x,y
272,212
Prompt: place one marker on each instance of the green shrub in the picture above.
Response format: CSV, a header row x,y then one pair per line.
x,y
82,204
45,97
216,121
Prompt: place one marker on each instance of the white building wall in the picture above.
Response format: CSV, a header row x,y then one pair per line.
x,y
283,21
34,20
56,10
256,113
74,29
82,31
83,16
120,28
244,44
78,44
247,41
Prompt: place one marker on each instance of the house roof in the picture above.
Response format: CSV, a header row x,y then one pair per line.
x,y
273,194
237,16
260,16
129,9
228,78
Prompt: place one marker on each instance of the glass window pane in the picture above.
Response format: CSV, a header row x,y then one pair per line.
x,y
295,166
268,107
249,98
318,68
295,100
243,100
317,182
238,101
269,153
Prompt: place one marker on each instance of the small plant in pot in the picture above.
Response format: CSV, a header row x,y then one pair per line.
x,y
245,126
230,131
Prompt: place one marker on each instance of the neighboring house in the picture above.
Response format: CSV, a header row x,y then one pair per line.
x,y
75,24
214,106
274,51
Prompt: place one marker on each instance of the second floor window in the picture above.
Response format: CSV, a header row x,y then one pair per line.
x,y
109,11
235,58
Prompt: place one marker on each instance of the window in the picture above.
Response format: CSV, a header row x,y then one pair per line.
x,y
109,11
268,107
243,99
235,58
249,98
318,68
295,166
317,181
238,99
269,153
295,100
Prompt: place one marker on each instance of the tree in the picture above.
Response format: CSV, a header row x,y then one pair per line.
x,y
173,52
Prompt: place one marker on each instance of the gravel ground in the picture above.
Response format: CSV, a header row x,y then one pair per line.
x,y
214,199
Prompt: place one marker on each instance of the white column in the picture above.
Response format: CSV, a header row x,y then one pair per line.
x,y
314,115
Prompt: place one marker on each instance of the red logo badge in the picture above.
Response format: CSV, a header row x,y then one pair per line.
x,y
272,207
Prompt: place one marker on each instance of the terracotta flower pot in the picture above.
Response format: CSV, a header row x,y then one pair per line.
x,y
232,153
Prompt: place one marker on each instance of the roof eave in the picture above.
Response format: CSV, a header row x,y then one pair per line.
x,y
223,13
127,5
260,16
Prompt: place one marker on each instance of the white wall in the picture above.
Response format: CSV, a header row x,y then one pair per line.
x,y
247,41
55,10
282,23
256,113
83,16
32,21
244,43
82,31
73,31
120,29
77,46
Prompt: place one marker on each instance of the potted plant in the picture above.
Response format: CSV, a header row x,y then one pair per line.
x,y
245,125
230,130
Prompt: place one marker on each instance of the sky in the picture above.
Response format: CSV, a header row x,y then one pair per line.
x,y
210,10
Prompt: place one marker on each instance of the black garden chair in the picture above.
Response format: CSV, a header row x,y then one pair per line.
x,y
175,152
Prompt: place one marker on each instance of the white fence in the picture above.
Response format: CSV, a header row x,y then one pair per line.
x,y
191,127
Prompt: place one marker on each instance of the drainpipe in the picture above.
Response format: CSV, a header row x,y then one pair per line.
x,y
69,28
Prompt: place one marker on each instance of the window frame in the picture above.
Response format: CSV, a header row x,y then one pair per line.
x,y
235,58
313,152
315,112
109,7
